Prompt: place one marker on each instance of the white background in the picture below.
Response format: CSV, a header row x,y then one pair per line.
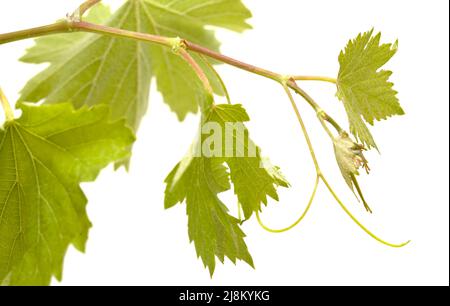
x,y
135,242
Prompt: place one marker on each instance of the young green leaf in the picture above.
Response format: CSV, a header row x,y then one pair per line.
x,y
214,232
202,175
252,181
364,89
44,156
96,69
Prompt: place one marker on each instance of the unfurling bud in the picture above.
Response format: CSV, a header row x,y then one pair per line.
x,y
350,159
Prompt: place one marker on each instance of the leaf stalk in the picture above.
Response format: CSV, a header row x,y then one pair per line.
x,y
315,78
85,7
197,69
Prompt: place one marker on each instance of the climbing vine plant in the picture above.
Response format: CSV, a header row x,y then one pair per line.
x,y
95,93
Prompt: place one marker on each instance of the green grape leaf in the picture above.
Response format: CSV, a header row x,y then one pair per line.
x,y
50,49
44,156
253,177
224,144
96,69
364,89
214,232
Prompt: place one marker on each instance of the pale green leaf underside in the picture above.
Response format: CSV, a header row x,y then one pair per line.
x,y
252,181
50,49
214,232
364,89
44,156
103,70
198,180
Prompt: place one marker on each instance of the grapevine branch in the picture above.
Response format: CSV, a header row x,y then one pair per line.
x,y
74,23
69,26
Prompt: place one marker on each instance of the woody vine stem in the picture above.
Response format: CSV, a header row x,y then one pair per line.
x,y
74,23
